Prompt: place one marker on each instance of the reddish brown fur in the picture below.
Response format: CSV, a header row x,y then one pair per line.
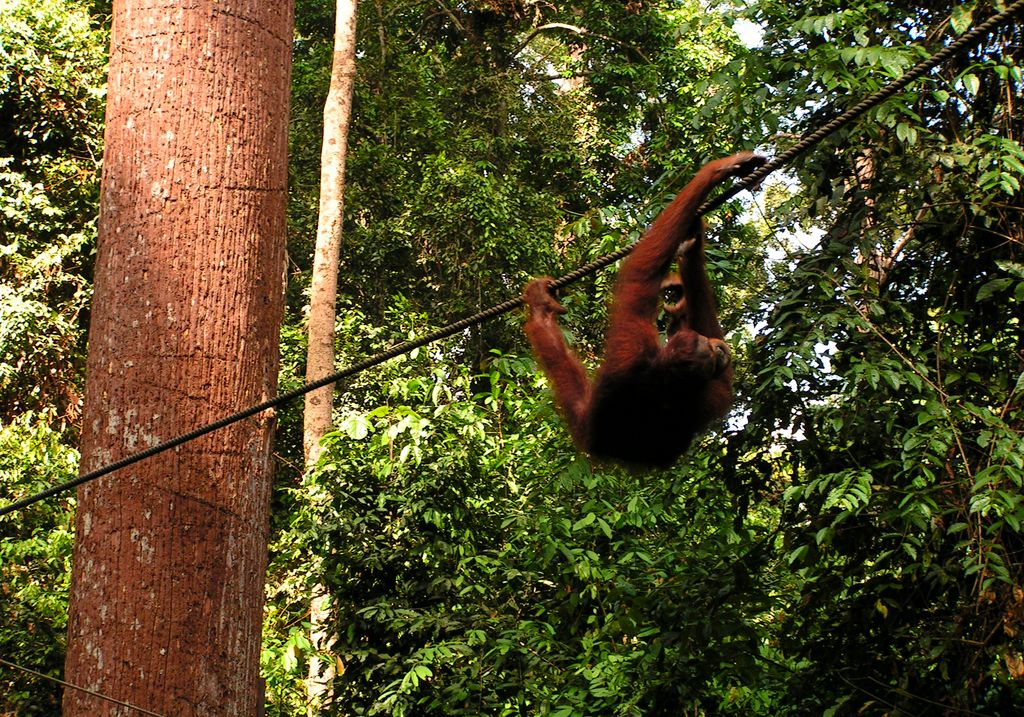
x,y
647,400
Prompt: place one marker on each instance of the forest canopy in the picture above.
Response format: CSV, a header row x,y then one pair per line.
x,y
848,542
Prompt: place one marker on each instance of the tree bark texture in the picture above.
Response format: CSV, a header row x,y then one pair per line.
x,y
324,285
170,554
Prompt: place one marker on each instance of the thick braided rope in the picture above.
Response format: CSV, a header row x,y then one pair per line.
x,y
750,180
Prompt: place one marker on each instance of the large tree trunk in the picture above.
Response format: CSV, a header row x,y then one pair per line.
x,y
324,295
170,554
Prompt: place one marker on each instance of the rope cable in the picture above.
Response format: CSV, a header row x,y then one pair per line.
x,y
754,178
68,685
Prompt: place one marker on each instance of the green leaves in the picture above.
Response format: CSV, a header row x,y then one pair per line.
x,y
473,565
885,390
52,67
35,556
962,17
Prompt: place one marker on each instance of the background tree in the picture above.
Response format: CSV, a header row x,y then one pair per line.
x,y
166,599
319,406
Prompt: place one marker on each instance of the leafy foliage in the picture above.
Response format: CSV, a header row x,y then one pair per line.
x,y
52,66
35,564
888,382
482,568
51,97
469,153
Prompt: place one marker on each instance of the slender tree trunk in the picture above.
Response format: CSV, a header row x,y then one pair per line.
x,y
320,356
170,554
337,111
